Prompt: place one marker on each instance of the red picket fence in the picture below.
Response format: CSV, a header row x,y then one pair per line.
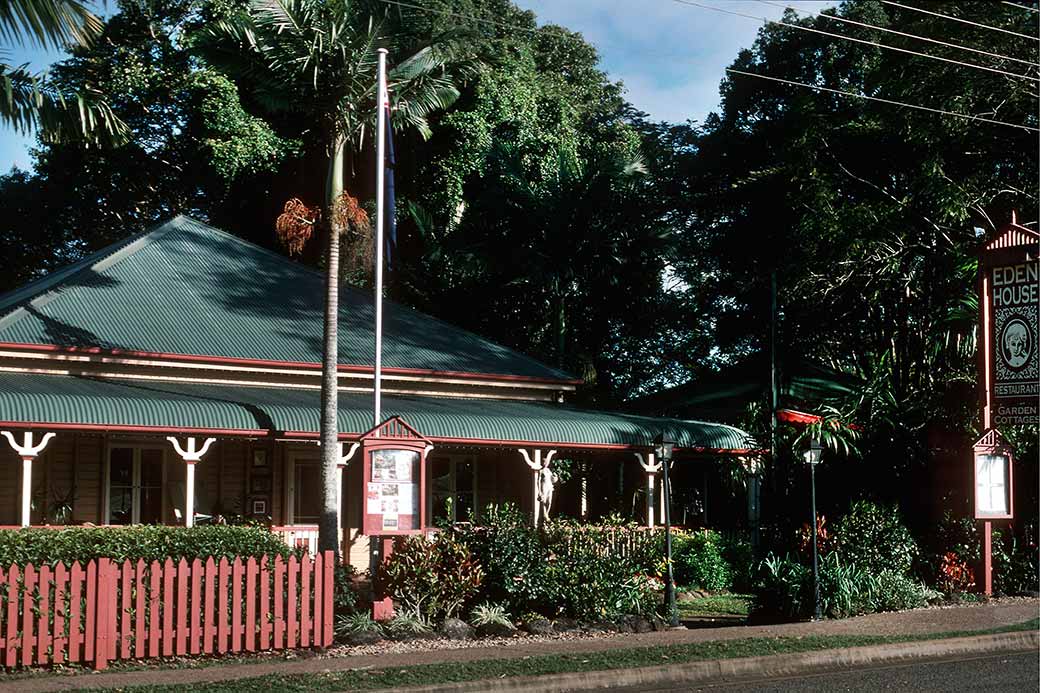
x,y
108,611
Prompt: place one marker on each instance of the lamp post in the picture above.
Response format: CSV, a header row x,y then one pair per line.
x,y
812,457
664,449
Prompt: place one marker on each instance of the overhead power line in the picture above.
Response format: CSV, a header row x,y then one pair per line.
x,y
856,40
958,19
1019,6
955,114
846,20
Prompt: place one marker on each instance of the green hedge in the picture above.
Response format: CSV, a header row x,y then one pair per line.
x,y
39,546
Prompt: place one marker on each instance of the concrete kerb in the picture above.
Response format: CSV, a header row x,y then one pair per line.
x,y
752,668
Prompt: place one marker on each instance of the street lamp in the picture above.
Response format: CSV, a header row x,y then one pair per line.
x,y
664,449
812,458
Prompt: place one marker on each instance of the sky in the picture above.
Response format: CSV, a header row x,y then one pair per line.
x,y
670,56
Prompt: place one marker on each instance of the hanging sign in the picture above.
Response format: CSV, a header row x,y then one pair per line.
x,y
1010,309
394,478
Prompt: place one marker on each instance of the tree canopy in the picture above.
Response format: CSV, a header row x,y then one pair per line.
x,y
543,210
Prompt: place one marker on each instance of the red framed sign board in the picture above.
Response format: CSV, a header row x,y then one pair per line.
x,y
394,479
993,478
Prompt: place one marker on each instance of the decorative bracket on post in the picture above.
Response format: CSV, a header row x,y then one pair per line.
x,y
651,466
191,456
28,452
344,457
543,481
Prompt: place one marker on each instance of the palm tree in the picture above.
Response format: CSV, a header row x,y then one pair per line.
x,y
32,102
317,60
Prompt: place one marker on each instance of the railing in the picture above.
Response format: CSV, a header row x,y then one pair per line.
x,y
299,537
606,541
106,611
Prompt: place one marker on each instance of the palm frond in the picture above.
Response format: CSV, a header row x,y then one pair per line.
x,y
47,23
31,102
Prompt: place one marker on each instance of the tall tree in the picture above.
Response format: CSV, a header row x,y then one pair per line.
x,y
317,60
868,212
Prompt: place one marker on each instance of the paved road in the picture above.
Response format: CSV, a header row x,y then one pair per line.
x,y
993,674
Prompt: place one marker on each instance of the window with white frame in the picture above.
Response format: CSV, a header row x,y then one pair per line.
x,y
453,487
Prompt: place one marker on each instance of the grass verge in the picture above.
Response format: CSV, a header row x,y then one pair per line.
x,y
716,605
459,672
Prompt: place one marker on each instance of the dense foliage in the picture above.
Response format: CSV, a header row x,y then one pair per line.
x,y
41,546
699,562
432,579
558,572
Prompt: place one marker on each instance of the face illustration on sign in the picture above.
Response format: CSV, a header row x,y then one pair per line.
x,y
1016,342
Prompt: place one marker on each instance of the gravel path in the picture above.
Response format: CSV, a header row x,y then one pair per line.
x,y
994,614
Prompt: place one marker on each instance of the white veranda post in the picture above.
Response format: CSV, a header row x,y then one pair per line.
x,y
651,467
537,464
191,455
27,450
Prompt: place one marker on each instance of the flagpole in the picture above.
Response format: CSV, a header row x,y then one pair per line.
x,y
382,98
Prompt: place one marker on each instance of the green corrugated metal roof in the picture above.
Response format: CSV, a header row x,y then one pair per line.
x,y
56,399
188,288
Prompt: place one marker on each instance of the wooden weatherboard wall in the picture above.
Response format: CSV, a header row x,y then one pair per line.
x,y
103,611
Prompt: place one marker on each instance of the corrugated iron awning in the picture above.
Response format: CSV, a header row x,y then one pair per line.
x,y
116,404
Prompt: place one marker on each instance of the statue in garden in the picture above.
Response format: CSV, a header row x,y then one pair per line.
x,y
547,480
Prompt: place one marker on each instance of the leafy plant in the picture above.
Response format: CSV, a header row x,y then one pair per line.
x,y
955,575
489,614
433,579
347,624
874,537
782,589
846,589
407,624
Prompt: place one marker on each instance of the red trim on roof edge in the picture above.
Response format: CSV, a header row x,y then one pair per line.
x,y
232,360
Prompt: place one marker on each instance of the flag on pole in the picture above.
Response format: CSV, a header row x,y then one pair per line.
x,y
389,161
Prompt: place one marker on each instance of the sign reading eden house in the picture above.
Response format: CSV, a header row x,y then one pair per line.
x,y
1011,324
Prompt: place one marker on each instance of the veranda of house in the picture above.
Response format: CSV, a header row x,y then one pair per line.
x,y
185,332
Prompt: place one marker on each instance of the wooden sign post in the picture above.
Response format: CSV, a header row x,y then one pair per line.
x,y
394,492
1009,367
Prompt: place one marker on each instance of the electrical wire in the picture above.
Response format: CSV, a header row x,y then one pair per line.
x,y
846,20
966,116
1019,6
856,40
958,19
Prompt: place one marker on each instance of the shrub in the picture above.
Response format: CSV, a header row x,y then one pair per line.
x,y
697,561
345,599
39,545
1015,567
433,579
511,555
897,592
874,538
740,556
